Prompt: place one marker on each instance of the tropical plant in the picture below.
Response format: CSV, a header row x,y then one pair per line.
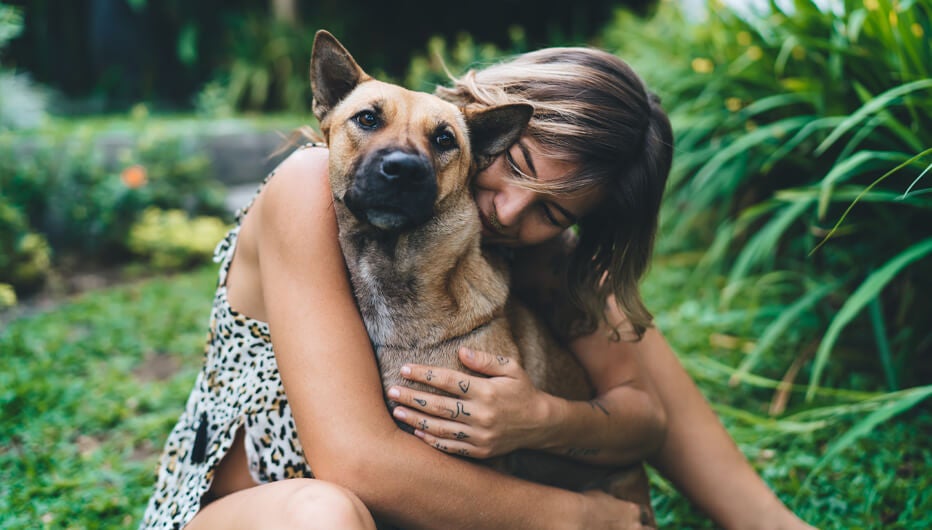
x,y
803,146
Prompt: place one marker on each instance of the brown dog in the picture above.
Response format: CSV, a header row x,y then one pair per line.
x,y
399,169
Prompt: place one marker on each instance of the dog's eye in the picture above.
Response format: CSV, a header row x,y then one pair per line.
x,y
367,119
445,140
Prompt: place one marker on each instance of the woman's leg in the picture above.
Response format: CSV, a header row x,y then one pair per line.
x,y
300,503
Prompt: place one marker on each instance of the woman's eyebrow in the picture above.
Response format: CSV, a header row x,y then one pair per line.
x,y
529,161
527,158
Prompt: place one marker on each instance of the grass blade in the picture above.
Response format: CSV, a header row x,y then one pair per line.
x,y
860,298
908,400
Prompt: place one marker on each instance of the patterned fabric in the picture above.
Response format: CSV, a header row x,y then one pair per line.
x,y
238,387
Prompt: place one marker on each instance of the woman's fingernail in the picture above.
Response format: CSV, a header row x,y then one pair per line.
x,y
399,413
394,393
406,370
469,353
419,434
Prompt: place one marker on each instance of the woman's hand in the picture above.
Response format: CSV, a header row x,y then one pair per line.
x,y
489,416
605,511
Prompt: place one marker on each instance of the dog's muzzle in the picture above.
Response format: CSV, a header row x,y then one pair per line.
x,y
393,190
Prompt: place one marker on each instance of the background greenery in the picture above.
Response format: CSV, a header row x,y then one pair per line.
x,y
790,273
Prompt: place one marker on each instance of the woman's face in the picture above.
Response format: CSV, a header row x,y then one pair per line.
x,y
514,216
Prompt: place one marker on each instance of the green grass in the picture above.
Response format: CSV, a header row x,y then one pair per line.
x,y
84,417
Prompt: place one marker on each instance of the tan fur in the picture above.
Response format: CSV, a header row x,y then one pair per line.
x,y
429,290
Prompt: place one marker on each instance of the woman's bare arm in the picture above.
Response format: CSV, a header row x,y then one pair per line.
x,y
330,376
699,455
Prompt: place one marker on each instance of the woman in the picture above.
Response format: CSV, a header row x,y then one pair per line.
x,y
596,155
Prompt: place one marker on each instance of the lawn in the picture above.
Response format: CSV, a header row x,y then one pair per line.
x,y
90,389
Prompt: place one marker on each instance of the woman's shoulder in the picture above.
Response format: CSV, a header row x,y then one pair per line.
x,y
298,184
295,206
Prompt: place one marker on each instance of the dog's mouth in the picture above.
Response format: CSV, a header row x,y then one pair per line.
x,y
397,216
386,219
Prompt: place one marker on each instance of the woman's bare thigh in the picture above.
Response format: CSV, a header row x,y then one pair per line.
x,y
294,504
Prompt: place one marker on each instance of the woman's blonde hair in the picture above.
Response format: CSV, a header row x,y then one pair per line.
x,y
592,110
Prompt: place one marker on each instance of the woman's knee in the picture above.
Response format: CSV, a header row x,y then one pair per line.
x,y
294,504
315,504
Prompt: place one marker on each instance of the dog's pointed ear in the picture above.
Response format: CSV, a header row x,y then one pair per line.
x,y
492,130
334,73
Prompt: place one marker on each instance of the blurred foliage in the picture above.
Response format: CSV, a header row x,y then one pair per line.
x,y
65,192
25,256
790,121
170,240
106,55
22,102
442,59
269,64
7,296
11,23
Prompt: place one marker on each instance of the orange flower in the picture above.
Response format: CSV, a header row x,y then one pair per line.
x,y
134,176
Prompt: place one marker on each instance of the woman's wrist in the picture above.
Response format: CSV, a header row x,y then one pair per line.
x,y
550,412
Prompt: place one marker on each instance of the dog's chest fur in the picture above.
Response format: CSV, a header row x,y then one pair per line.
x,y
423,292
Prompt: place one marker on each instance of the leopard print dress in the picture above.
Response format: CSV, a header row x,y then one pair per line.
x,y
238,387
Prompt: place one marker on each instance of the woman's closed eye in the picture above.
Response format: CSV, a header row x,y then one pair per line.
x,y
552,217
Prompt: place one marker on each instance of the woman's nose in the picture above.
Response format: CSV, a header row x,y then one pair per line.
x,y
511,203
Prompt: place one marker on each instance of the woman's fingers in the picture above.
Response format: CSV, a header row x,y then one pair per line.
x,y
447,436
436,427
450,381
488,364
432,404
447,445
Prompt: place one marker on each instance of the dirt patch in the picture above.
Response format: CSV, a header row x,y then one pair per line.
x,y
157,367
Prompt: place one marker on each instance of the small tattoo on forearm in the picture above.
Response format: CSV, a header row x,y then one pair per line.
x,y
464,386
461,435
581,451
429,375
502,360
459,410
421,402
422,425
595,403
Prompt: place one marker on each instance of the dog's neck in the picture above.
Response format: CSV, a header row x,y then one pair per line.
x,y
412,287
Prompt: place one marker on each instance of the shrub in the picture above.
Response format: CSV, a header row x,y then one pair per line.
x,y
24,254
83,203
169,239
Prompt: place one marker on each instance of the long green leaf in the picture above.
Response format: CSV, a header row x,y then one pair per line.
x,y
857,164
857,301
867,190
768,133
879,102
780,325
765,241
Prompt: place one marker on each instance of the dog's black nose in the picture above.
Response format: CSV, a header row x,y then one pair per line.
x,y
405,168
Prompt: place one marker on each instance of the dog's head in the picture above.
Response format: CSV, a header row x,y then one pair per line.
x,y
394,153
